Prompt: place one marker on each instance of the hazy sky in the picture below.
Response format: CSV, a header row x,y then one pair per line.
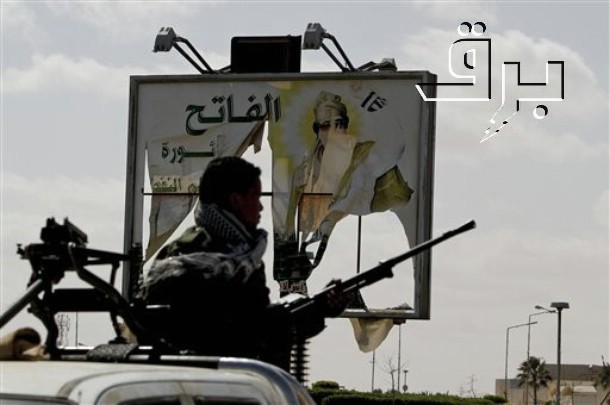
x,y
538,190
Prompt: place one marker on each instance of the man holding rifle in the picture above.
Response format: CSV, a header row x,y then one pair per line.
x,y
213,276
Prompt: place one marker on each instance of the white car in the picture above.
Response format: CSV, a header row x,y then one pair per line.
x,y
207,380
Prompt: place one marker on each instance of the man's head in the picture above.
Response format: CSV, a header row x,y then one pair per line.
x,y
330,114
233,184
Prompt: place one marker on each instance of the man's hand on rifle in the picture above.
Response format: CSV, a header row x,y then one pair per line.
x,y
337,300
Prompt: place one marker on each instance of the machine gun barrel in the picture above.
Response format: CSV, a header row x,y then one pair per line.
x,y
383,270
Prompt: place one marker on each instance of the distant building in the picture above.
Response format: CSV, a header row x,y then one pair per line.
x,y
577,387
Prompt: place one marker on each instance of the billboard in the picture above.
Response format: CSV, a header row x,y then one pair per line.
x,y
342,144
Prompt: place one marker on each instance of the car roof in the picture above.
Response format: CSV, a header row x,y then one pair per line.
x,y
87,382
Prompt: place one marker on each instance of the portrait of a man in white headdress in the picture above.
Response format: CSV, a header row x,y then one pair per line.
x,y
323,182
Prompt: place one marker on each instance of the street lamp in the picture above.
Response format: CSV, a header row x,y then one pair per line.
x,y
542,310
559,306
506,358
399,322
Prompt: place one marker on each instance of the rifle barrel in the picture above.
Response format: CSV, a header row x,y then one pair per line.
x,y
381,271
429,243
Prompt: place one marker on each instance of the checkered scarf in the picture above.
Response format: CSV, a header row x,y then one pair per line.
x,y
237,263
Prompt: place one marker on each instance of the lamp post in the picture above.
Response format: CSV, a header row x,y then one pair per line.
x,y
399,322
559,306
529,320
398,374
506,358
542,310
373,373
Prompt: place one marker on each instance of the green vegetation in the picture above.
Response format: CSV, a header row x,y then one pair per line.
x,y
330,393
533,373
320,385
496,399
603,378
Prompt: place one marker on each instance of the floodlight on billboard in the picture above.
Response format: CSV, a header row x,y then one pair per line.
x,y
167,39
313,39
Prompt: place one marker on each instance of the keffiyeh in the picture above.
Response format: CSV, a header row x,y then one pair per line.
x,y
236,264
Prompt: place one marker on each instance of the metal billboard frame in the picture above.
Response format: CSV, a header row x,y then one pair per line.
x,y
136,158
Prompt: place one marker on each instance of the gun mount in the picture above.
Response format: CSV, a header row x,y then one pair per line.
x,y
63,248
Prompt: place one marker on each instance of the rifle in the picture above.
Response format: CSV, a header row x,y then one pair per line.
x,y
304,313
298,305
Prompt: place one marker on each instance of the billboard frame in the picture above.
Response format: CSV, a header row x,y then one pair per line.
x,y
135,172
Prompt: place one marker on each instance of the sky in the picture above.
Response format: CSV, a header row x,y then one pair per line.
x,y
538,190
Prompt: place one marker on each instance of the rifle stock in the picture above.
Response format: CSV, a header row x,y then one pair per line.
x,y
371,276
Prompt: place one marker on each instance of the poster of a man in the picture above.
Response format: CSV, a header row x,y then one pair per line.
x,y
330,127
322,181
